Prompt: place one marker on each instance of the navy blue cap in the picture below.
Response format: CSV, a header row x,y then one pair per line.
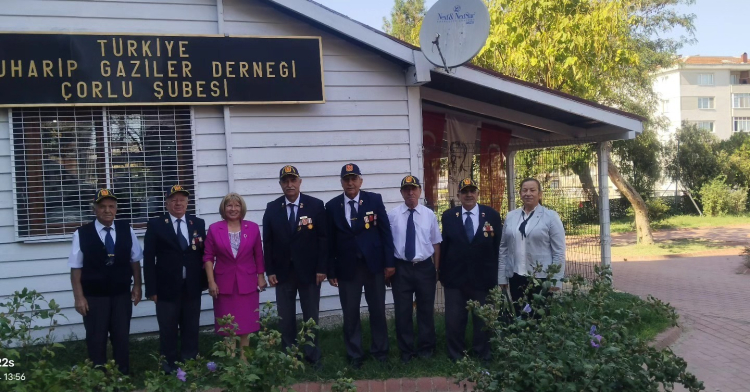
x,y
288,170
104,193
176,189
467,183
350,169
410,181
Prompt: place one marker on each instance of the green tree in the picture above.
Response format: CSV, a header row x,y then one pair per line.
x,y
406,20
694,157
605,51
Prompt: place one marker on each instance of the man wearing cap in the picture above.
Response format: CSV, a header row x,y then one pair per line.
x,y
296,253
469,265
105,256
416,237
174,275
360,254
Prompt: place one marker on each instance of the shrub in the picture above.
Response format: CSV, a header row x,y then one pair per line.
x,y
558,346
719,199
657,209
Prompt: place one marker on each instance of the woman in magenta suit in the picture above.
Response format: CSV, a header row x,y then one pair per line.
x,y
236,271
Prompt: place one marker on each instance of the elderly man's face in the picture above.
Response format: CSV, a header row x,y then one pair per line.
x,y
290,185
468,197
105,211
351,185
177,205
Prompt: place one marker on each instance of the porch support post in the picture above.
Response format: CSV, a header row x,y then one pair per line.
x,y
604,223
510,177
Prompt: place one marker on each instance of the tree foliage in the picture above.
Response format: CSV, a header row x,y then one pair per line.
x,y
605,51
406,20
693,157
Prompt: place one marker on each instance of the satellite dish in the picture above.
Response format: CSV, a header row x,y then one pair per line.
x,y
454,31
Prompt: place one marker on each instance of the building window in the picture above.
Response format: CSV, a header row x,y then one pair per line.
x,y
741,101
705,125
63,155
734,79
741,124
705,103
706,79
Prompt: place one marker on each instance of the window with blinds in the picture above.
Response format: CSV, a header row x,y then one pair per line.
x,y
63,155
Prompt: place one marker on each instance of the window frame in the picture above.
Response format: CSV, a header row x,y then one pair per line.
x,y
738,97
744,119
734,79
712,127
713,79
103,148
710,100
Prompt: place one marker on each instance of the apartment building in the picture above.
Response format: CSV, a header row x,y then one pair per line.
x,y
711,92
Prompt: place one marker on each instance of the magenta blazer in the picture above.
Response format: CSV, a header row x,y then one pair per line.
x,y
244,268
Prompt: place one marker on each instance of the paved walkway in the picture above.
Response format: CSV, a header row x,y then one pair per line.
x,y
712,296
731,235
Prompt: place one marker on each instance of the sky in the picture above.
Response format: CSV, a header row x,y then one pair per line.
x,y
721,25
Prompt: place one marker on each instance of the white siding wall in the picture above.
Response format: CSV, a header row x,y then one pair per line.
x,y
365,120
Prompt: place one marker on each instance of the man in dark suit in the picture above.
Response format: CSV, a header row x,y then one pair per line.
x,y
360,254
174,276
468,268
296,253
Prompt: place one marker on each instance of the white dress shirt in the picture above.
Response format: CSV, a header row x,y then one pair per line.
x,y
425,225
184,230
474,216
520,242
75,260
296,207
347,207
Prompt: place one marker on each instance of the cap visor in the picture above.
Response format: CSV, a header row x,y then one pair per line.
x,y
105,197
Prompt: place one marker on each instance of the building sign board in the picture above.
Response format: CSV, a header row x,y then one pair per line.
x,y
39,69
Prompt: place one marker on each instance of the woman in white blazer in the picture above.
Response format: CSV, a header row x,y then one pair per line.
x,y
532,235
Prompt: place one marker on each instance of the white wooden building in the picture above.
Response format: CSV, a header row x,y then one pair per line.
x,y
376,89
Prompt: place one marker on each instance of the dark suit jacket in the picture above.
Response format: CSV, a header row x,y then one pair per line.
x,y
470,265
305,250
163,259
375,243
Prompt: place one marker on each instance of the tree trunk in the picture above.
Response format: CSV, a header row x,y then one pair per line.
x,y
587,182
642,225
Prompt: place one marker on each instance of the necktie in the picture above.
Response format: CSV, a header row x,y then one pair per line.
x,y
109,245
181,238
522,228
352,213
411,237
469,226
109,242
292,220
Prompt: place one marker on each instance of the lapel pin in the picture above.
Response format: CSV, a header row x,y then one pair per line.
x,y
361,201
483,215
191,222
301,205
166,221
457,215
244,235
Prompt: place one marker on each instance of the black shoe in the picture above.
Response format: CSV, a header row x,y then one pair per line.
x,y
356,363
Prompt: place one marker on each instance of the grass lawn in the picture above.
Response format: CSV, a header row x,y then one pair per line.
x,y
682,222
669,247
332,345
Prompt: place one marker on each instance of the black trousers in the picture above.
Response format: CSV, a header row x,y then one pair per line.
x,y
415,280
517,285
179,316
109,316
456,318
350,294
286,304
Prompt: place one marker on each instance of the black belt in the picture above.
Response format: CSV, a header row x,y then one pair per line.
x,y
415,262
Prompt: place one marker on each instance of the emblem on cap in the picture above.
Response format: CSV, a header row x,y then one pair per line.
x,y
287,169
105,192
467,181
349,167
177,188
409,179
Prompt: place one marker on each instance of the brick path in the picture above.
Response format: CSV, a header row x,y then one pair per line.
x,y
423,384
713,299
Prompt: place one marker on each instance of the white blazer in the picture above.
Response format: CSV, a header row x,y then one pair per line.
x,y
545,243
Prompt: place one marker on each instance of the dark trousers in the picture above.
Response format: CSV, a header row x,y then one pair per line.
x,y
456,318
415,280
286,304
350,294
517,285
183,315
109,316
